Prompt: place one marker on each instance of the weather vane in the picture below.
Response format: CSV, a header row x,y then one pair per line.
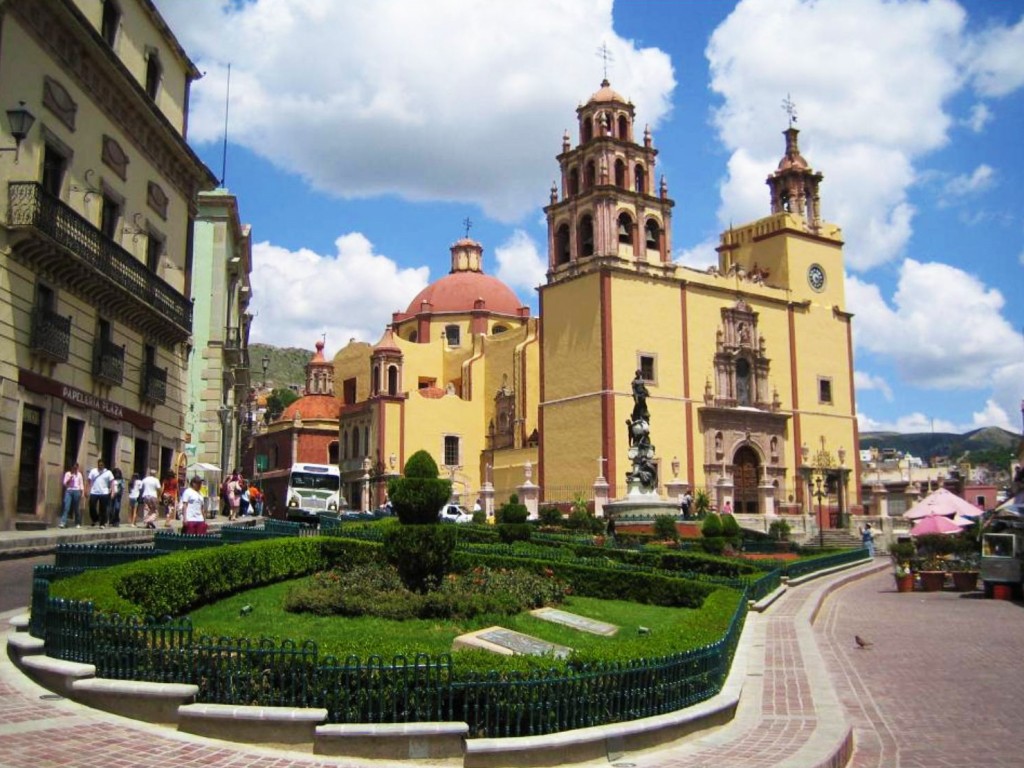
x,y
606,56
468,224
790,109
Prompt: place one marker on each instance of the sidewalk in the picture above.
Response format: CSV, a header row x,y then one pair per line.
x,y
42,542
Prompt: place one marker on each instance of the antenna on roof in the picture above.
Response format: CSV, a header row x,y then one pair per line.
x,y
606,56
224,152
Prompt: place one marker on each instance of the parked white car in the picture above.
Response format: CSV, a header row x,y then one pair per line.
x,y
454,513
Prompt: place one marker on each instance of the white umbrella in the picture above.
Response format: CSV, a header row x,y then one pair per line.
x,y
963,521
201,466
942,503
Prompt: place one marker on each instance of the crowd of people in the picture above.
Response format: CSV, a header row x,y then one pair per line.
x,y
151,497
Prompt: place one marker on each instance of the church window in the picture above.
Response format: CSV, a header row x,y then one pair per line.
x,y
647,365
499,329
589,175
392,380
625,228
825,390
639,180
623,132
344,444
653,234
332,453
111,21
355,443
574,181
451,450
348,391
452,335
414,336
375,381
586,236
154,71
586,130
620,174
562,244
366,441
743,382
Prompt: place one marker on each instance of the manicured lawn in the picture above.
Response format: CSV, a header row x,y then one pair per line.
x,y
671,629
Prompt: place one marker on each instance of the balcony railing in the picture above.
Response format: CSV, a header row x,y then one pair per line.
x,y
108,362
106,263
51,334
154,384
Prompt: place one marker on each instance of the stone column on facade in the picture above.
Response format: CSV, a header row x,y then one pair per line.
x,y
881,499
913,494
723,493
364,504
766,498
529,493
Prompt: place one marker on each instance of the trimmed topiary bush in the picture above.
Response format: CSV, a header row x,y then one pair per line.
x,y
509,532
550,516
665,528
712,526
418,496
511,511
422,554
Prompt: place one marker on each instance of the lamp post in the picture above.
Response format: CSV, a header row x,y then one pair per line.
x,y
224,414
266,365
20,121
819,494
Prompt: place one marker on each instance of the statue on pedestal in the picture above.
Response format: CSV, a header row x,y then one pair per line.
x,y
644,473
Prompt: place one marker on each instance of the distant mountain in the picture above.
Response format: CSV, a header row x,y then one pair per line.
x,y
980,446
286,367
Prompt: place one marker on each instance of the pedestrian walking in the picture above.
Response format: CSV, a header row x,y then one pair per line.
x,y
116,496
134,497
867,539
234,495
150,494
193,514
169,497
73,485
100,481
686,504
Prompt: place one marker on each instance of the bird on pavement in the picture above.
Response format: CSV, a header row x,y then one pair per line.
x,y
861,642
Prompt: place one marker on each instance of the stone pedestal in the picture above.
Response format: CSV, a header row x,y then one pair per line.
x,y
766,499
529,494
881,497
600,496
487,499
723,494
675,488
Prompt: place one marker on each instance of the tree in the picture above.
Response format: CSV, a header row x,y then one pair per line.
x,y
278,400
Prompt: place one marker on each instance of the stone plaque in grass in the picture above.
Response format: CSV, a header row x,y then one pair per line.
x,y
510,642
582,623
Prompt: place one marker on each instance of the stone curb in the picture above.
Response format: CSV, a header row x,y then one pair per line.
x,y
293,727
135,699
394,741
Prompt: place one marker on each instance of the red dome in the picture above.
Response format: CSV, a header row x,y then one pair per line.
x,y
313,407
459,291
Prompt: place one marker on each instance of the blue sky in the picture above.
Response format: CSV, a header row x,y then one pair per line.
x,y
362,134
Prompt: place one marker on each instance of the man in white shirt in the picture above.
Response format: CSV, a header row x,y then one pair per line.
x,y
192,513
101,483
150,495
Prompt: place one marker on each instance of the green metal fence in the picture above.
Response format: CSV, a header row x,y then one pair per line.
x,y
171,541
803,567
101,555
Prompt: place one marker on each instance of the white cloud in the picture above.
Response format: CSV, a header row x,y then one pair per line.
x,y
980,116
913,422
410,98
700,256
872,104
350,294
994,60
867,381
520,263
982,178
944,330
993,415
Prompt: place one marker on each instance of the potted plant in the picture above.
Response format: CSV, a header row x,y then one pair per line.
x,y
779,532
932,573
902,554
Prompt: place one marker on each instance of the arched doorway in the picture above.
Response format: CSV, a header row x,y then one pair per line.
x,y
745,470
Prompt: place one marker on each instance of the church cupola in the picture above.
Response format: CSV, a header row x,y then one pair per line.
x,y
386,366
611,207
319,373
467,256
794,186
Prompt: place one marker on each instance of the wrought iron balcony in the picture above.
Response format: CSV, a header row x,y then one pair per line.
x,y
108,362
51,237
51,334
154,384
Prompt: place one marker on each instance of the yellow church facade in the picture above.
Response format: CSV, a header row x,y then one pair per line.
x,y
748,364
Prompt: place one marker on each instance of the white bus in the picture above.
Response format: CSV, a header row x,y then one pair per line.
x,y
314,488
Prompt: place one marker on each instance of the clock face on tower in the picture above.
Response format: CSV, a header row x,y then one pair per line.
x,y
816,277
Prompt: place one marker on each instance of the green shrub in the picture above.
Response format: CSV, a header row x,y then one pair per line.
x,y
731,528
511,511
712,526
779,530
422,554
480,517
701,503
550,516
509,532
418,496
665,527
713,545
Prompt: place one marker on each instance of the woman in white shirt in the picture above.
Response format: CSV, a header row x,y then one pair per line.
x,y
134,496
192,513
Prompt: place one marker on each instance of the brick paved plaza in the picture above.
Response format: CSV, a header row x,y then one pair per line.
x,y
938,687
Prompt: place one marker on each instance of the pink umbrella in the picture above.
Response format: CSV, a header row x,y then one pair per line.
x,y
941,503
934,524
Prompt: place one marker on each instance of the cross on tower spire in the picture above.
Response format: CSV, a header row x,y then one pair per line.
x,y
790,109
468,224
606,56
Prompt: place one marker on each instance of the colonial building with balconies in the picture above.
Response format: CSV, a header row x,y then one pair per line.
x,y
219,404
96,308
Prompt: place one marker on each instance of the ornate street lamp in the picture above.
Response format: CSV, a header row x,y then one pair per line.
x,y
20,121
266,365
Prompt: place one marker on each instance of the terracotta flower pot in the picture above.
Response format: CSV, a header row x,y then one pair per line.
x,y
905,583
965,581
932,581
